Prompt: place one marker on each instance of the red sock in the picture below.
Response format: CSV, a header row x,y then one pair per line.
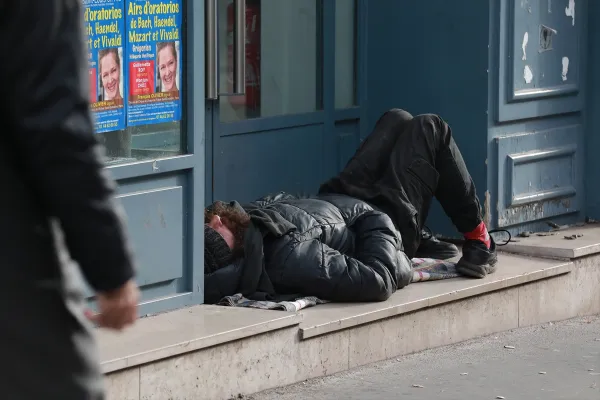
x,y
480,233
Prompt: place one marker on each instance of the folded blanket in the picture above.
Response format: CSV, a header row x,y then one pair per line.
x,y
428,269
424,269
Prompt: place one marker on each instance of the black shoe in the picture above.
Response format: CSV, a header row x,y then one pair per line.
x,y
477,260
431,247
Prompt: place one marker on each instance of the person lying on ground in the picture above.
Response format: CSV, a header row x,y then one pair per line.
x,y
354,240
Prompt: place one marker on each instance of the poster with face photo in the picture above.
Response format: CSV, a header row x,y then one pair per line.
x,y
154,61
104,25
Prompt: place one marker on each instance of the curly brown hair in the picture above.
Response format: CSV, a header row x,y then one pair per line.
x,y
235,220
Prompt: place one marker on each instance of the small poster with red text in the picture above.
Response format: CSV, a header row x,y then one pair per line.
x,y
154,59
104,25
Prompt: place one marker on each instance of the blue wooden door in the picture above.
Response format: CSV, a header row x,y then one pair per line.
x,y
299,119
592,143
537,129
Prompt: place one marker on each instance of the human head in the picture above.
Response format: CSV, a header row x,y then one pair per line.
x,y
224,229
166,58
217,253
110,72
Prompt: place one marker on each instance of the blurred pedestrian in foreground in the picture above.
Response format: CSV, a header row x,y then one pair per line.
x,y
56,207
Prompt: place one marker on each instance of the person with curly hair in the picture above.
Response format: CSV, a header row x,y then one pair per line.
x,y
224,231
355,239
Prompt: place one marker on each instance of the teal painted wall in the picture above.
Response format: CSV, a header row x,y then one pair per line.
x,y
432,57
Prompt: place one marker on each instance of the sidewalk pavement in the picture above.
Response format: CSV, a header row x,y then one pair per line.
x,y
550,362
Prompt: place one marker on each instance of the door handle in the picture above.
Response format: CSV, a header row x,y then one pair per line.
x,y
239,69
212,54
210,38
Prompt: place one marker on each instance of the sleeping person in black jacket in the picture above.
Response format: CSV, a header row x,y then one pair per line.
x,y
354,240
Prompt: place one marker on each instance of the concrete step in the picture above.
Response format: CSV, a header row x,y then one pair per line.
x,y
208,352
512,271
186,330
554,245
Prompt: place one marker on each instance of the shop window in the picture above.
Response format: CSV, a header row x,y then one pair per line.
x,y
136,76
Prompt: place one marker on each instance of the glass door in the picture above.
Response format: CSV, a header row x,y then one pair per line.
x,y
281,59
267,92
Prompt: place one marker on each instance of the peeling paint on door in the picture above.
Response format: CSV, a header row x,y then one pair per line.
x,y
524,45
521,214
570,11
565,68
487,213
527,74
525,4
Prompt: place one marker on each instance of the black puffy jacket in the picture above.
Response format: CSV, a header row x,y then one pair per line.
x,y
334,247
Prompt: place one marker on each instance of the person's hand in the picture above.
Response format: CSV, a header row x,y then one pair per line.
x,y
117,308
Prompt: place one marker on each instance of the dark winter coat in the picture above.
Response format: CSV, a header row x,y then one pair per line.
x,y
334,247
51,176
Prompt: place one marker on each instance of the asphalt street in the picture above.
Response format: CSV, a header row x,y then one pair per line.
x,y
549,362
